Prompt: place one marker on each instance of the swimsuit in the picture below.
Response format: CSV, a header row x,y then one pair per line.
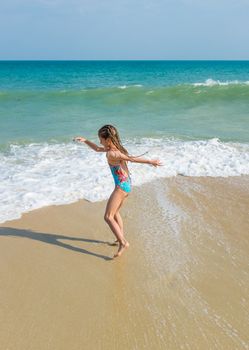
x,y
120,178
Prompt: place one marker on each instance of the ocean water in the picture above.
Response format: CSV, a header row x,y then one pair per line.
x,y
193,115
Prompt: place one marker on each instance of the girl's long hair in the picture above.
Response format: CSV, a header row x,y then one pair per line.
x,y
109,131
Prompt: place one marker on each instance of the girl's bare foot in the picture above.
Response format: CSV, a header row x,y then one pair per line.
x,y
121,248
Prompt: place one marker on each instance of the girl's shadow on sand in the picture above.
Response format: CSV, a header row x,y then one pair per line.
x,y
53,239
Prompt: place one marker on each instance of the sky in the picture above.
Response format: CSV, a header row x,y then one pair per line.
x,y
124,29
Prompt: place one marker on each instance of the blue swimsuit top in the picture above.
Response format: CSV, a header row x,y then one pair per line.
x,y
121,179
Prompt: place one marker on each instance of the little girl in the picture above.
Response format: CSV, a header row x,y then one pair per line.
x,y
117,157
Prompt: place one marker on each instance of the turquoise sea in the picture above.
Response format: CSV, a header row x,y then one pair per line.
x,y
53,100
194,115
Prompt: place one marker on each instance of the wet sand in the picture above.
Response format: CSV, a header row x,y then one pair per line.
x,y
182,284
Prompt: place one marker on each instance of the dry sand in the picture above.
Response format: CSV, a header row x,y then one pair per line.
x,y
183,283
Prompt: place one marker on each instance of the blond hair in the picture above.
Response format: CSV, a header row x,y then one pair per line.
x,y
109,131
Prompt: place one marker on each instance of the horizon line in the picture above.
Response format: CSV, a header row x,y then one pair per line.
x,y
121,60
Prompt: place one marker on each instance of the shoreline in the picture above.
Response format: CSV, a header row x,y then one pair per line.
x,y
183,282
153,181
38,175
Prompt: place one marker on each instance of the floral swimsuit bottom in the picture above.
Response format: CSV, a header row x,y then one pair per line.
x,y
120,177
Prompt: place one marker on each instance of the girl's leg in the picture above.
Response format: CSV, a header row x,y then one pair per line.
x,y
118,218
113,204
119,221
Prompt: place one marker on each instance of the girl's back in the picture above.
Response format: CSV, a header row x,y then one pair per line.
x,y
111,155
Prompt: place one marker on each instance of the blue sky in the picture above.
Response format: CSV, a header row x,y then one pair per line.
x,y
124,29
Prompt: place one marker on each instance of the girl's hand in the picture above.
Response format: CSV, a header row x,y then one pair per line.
x,y
79,138
155,162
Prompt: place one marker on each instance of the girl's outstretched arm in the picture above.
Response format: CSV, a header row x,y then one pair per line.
x,y
90,144
117,155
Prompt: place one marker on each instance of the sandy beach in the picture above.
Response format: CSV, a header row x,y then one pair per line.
x,y
182,284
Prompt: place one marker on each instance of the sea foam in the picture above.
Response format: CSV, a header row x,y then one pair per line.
x,y
41,174
211,82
